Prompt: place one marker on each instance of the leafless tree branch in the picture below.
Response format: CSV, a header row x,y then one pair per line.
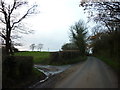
x,y
11,21
2,20
24,16
3,36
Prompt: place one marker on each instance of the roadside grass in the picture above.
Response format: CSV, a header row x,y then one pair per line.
x,y
33,78
112,62
23,82
38,57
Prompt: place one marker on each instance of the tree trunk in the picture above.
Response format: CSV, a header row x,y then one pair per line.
x,y
7,46
8,38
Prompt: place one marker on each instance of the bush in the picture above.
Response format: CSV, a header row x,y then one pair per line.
x,y
54,56
24,65
63,55
69,54
15,69
8,66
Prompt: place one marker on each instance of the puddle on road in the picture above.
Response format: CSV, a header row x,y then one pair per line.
x,y
49,70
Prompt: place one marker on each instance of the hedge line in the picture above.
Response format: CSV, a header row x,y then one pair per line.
x,y
63,55
16,68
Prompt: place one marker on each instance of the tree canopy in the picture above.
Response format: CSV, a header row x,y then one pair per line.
x,y
69,46
105,39
105,12
78,35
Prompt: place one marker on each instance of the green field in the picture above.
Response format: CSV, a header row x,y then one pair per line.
x,y
38,57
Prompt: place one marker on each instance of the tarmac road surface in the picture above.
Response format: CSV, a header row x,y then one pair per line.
x,y
93,73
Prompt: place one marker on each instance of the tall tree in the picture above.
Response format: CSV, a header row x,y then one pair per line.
x,y
40,46
32,46
78,35
11,19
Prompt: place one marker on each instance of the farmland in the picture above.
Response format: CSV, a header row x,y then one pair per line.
x,y
38,57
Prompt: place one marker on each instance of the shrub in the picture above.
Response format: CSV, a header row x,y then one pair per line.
x,y
15,69
69,54
54,56
63,55
24,65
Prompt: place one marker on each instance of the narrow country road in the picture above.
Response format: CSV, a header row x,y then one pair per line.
x,y
93,73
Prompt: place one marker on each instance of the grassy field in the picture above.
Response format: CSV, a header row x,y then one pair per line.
x,y
38,57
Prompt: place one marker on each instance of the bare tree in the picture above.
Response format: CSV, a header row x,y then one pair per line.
x,y
11,20
32,46
40,46
107,13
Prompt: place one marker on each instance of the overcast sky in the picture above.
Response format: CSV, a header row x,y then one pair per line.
x,y
51,25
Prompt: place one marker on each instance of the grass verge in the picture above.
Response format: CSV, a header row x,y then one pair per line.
x,y
27,81
111,62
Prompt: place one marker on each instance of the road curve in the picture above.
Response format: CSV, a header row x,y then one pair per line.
x,y
92,74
